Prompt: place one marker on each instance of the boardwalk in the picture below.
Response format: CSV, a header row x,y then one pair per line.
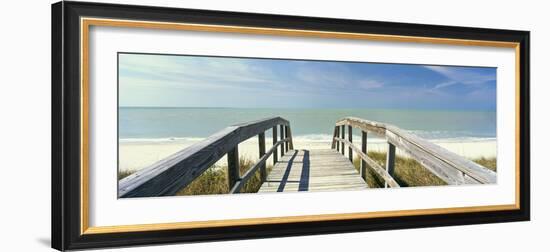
x,y
301,169
313,170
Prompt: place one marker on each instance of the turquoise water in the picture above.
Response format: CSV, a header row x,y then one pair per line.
x,y
317,124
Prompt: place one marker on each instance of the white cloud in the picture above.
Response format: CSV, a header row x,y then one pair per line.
x,y
370,84
208,71
462,76
329,77
333,76
445,84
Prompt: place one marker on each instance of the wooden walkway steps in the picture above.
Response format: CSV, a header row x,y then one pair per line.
x,y
313,170
300,170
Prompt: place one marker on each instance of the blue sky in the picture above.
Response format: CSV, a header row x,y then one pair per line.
x,y
195,81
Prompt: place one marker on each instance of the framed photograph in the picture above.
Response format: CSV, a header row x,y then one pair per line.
x,y
180,125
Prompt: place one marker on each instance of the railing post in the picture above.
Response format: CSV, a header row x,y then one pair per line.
x,y
282,128
363,169
350,138
261,143
291,144
332,145
390,160
337,134
343,136
233,172
286,136
275,154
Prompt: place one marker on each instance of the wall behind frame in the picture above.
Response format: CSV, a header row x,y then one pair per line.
x,y
25,128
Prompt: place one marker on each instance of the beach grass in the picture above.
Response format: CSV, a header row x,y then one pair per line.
x,y
124,173
408,172
214,180
490,163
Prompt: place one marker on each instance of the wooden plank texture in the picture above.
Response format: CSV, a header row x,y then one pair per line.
x,y
282,136
275,153
337,135
304,170
313,170
363,170
390,161
343,136
261,149
289,136
443,163
333,145
233,167
477,174
372,164
366,125
168,176
248,174
350,139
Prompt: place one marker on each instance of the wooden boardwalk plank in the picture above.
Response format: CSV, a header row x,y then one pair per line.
x,y
313,170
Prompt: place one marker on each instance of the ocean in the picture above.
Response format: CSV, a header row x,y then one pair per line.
x,y
161,124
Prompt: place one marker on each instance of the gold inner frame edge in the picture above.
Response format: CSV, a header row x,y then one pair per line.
x,y
85,24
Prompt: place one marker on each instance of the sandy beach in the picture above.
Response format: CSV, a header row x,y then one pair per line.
x,y
137,154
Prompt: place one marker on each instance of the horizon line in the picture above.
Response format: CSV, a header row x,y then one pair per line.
x,y
328,108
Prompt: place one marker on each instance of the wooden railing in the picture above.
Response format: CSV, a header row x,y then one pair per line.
x,y
450,167
168,176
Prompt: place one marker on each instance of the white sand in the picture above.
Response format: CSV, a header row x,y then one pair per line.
x,y
139,154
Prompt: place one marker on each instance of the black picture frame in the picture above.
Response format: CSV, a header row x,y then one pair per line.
x,y
66,140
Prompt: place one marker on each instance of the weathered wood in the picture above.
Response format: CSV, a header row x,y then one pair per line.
x,y
363,170
248,174
468,167
289,136
445,164
333,143
282,129
373,164
233,167
275,140
436,166
261,147
366,125
343,136
313,170
337,135
447,172
390,161
168,176
350,139
286,136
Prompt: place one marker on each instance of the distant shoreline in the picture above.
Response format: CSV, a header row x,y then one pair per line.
x,y
316,108
135,154
305,138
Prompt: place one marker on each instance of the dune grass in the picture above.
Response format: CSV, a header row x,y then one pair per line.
x,y
214,180
124,174
490,163
408,172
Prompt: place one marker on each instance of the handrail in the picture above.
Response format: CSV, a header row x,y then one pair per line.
x,y
375,166
445,164
251,171
168,176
